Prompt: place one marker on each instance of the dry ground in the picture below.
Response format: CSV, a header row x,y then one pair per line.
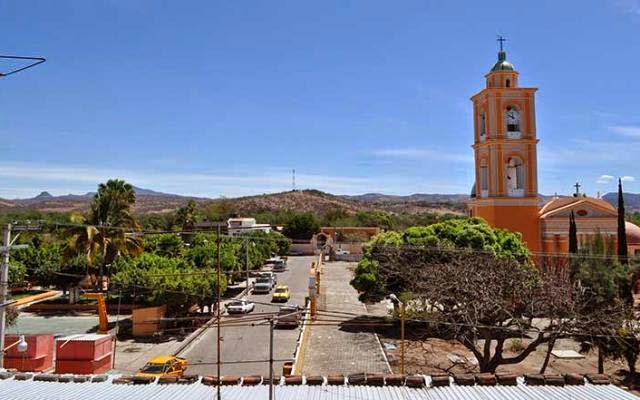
x,y
438,355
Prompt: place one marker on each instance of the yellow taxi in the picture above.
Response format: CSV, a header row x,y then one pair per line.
x,y
164,366
281,293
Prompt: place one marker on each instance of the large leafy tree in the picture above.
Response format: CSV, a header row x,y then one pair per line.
x,y
167,245
302,226
203,252
258,246
186,215
109,230
157,280
467,233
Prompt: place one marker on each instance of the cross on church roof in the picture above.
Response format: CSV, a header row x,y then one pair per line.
x,y
577,186
501,39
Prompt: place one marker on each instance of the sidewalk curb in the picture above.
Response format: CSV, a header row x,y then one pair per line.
x,y
298,353
198,332
384,353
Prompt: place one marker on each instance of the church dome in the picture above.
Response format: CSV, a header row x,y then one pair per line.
x,y
633,233
503,64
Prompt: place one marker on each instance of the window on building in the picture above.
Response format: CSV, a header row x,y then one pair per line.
x,y
482,126
508,83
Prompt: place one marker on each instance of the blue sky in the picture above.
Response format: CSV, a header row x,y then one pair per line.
x,y
225,98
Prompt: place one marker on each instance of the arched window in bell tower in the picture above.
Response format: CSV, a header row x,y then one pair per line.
x,y
512,117
482,126
515,177
508,83
484,179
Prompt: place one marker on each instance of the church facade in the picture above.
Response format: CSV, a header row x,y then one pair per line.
x,y
506,190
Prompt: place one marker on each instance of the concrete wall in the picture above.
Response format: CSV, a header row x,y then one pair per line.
x,y
347,257
304,248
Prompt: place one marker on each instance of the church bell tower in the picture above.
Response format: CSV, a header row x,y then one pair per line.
x,y
506,190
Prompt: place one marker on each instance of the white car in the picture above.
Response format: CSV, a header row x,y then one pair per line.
x,y
342,252
240,307
270,275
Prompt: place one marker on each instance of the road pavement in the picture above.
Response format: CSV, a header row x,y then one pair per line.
x,y
251,343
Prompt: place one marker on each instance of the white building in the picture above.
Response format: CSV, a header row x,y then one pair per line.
x,y
238,226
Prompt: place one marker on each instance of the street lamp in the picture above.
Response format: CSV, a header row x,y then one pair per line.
x,y
22,344
22,348
396,300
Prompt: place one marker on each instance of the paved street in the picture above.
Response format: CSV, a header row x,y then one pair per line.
x,y
248,343
333,349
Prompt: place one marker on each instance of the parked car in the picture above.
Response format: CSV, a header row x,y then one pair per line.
x,y
240,307
288,316
342,252
279,266
164,366
271,261
270,275
262,285
281,293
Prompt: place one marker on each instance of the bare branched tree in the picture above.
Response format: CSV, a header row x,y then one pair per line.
x,y
479,299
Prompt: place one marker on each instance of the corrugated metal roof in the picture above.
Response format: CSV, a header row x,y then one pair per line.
x,y
11,389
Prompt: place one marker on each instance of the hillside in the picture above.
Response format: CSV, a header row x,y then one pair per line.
x,y
150,202
631,200
153,202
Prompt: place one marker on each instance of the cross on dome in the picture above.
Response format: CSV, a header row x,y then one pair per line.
x,y
501,39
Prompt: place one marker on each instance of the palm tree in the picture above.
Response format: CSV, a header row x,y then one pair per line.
x,y
108,231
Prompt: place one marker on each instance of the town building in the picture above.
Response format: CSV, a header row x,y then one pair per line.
x,y
239,226
505,192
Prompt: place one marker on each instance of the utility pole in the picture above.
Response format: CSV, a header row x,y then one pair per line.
x,y
219,312
397,301
402,311
246,261
4,285
271,359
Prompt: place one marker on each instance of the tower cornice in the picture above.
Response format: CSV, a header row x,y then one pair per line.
x,y
503,141
501,90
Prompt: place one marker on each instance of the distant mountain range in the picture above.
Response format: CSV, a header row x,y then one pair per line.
x,y
45,196
148,201
631,200
151,201
416,197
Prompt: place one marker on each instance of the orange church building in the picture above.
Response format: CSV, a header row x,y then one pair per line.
x,y
506,190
